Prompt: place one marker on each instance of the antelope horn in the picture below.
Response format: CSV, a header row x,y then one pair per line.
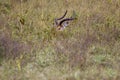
x,y
56,20
63,16
67,19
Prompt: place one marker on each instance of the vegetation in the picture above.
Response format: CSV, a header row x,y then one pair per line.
x,y
31,49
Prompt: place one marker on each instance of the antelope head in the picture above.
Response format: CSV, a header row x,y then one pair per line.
x,y
61,23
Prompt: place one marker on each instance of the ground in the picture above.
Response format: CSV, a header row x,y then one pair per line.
x,y
32,49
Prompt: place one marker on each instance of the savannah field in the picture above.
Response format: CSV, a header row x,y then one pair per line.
x,y
32,49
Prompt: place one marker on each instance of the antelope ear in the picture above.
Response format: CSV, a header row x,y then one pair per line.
x,y
55,23
74,15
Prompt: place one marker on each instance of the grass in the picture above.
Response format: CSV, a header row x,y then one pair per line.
x,y
31,49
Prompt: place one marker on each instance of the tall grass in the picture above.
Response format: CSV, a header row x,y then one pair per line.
x,y
31,49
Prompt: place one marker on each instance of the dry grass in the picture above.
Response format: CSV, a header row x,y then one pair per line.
x,y
31,49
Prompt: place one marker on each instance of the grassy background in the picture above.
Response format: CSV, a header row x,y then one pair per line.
x,y
31,49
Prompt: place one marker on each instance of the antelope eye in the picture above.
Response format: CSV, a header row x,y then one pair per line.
x,y
67,22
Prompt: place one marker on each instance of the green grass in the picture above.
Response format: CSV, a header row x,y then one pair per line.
x,y
31,49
